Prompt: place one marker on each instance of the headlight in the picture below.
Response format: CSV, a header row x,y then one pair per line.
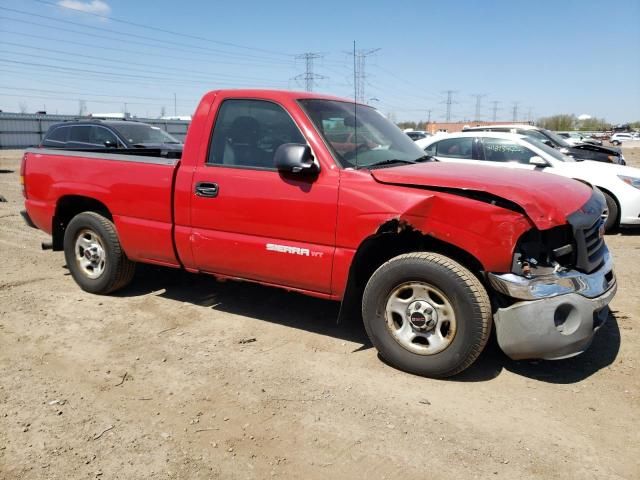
x,y
634,182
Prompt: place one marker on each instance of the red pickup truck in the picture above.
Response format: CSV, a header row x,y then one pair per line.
x,y
319,195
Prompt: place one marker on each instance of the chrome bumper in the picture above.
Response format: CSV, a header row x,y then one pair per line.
x,y
560,283
558,314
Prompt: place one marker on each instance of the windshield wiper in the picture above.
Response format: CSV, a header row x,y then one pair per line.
x,y
392,161
426,158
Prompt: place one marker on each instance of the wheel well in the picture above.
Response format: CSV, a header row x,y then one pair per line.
x,y
67,208
392,239
615,199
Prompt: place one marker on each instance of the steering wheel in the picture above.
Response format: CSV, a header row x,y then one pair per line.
x,y
361,147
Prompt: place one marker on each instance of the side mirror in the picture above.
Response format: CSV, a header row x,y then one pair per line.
x,y
295,158
538,161
109,144
548,143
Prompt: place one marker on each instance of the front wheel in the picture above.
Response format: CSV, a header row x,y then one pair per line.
x,y
610,217
94,255
426,314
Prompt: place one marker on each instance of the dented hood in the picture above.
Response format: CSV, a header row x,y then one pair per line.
x,y
545,198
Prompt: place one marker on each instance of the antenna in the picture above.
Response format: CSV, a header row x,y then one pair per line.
x,y
355,105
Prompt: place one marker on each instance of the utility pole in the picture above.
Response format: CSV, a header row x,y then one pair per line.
x,y
359,71
449,102
429,116
495,110
175,107
309,76
515,111
478,97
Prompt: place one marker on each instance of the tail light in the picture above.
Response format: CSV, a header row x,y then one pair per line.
x,y
23,168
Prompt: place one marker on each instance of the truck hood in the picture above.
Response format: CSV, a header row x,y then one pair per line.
x,y
545,198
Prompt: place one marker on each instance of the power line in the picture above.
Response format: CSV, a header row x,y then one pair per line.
x,y
478,97
116,74
83,93
161,70
515,111
449,102
359,72
126,37
309,76
495,109
162,30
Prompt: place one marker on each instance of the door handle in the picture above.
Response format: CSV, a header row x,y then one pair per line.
x,y
207,189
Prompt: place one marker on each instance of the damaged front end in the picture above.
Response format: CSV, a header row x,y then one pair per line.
x,y
555,297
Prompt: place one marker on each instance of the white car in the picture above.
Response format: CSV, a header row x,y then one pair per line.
x,y
619,184
618,138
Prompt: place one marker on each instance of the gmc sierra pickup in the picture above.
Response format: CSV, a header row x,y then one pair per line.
x,y
322,196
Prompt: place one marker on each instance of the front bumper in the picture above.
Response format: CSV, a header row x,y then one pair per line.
x,y
553,319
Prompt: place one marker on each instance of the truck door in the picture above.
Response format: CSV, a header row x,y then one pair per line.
x,y
250,221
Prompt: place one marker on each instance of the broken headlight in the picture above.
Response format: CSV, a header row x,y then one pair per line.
x,y
540,252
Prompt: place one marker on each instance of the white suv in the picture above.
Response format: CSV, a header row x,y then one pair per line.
x,y
618,138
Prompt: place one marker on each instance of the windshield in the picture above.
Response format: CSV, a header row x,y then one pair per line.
x,y
141,133
370,140
556,139
552,152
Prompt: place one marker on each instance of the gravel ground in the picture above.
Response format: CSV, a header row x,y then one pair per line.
x,y
182,377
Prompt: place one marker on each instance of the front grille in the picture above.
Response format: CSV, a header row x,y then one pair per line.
x,y
587,226
594,247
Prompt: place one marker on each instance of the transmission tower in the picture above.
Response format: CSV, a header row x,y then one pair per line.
x,y
515,111
359,72
478,97
449,101
308,76
495,110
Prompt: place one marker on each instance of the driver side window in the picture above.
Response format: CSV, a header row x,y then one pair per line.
x,y
455,148
247,133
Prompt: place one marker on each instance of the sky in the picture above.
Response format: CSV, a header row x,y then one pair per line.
x,y
543,57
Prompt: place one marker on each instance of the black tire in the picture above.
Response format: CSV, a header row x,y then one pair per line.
x,y
466,295
611,223
117,270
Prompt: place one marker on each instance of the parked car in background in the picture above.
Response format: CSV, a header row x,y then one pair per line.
x,y
619,138
109,134
576,138
619,184
583,151
417,134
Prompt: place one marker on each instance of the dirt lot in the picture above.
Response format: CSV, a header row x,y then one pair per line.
x,y
157,382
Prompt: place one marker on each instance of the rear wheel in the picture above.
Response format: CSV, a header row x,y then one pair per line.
x,y
426,314
611,215
94,255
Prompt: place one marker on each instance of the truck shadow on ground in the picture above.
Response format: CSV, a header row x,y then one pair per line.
x,y
319,316
602,353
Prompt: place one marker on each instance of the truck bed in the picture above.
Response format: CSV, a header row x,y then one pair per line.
x,y
136,189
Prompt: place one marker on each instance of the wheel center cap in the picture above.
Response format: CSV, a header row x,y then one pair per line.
x,y
422,315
